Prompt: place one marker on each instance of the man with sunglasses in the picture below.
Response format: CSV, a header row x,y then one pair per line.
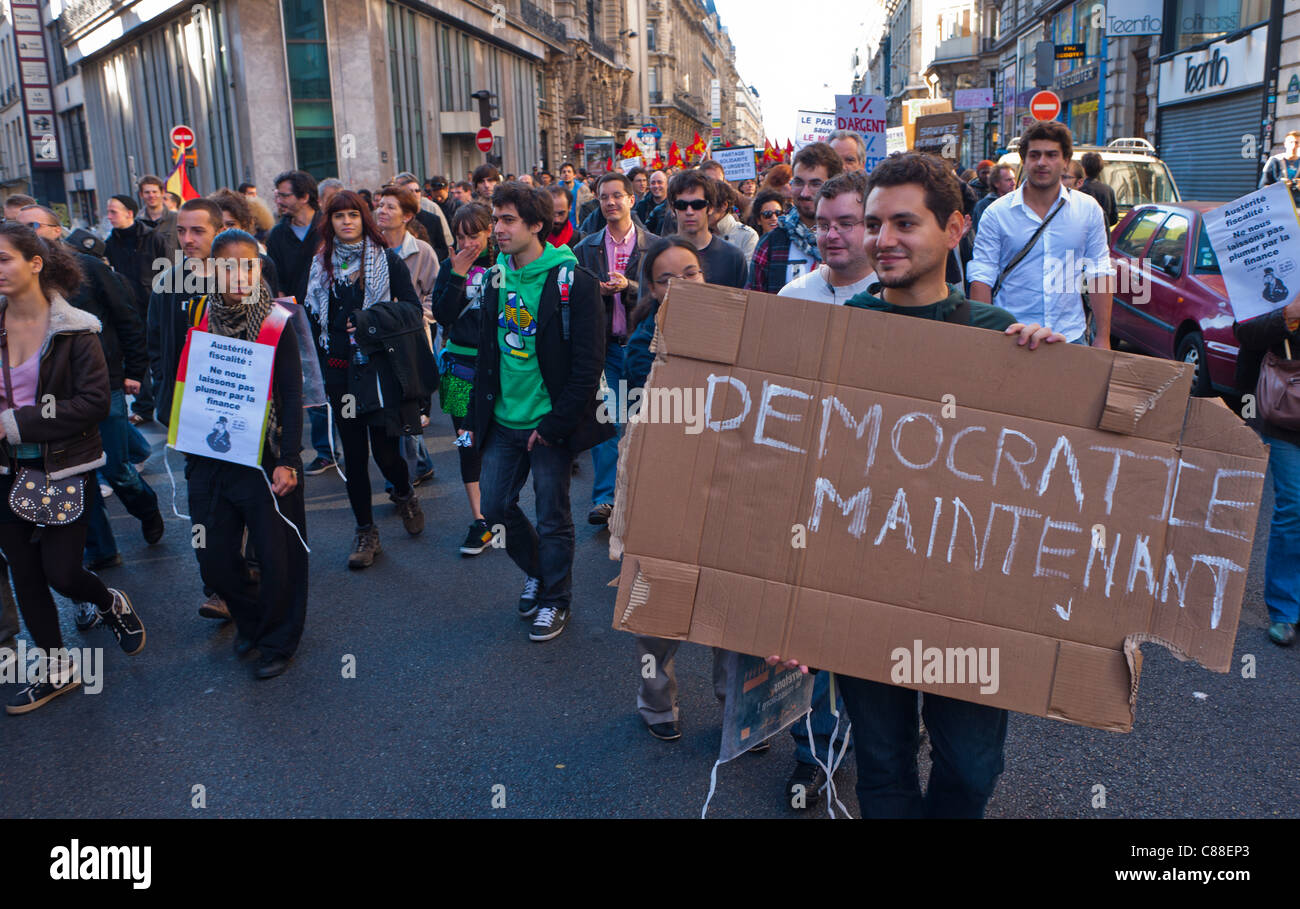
x,y
790,249
692,195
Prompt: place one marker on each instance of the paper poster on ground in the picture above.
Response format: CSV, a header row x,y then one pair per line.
x,y
221,405
1257,241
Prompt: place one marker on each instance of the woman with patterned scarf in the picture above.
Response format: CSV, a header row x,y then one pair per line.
x,y
355,279
228,498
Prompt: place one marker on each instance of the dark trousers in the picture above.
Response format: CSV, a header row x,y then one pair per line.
x,y
135,494
544,551
471,459
53,561
966,740
228,499
360,442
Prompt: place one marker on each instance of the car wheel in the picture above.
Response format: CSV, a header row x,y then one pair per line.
x,y
1191,350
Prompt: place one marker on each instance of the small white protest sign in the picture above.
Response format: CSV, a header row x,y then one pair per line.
x,y
1256,239
223,399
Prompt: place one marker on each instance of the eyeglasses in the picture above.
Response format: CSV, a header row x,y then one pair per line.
x,y
37,225
800,183
689,274
842,226
770,213
280,195
693,204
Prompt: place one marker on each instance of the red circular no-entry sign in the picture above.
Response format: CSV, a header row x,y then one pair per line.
x,y
483,139
182,136
1045,106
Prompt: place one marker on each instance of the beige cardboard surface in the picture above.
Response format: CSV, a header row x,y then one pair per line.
x,y
862,482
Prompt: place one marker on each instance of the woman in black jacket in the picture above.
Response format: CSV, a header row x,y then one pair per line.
x,y
1273,332
369,327
50,351
456,306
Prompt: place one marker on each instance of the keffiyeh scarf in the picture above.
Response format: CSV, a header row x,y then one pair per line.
x,y
800,236
348,257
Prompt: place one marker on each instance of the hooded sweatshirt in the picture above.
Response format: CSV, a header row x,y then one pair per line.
x,y
524,399
982,315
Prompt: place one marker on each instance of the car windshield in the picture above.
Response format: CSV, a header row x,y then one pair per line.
x,y
1136,182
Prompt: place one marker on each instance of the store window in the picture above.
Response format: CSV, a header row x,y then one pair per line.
x,y
1205,20
309,87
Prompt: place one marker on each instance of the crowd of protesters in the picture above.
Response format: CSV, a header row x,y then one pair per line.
x,y
522,307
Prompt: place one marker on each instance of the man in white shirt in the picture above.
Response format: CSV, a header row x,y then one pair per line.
x,y
1044,285
845,270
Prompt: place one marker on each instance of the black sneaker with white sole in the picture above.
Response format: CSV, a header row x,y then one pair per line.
x,y
122,620
477,540
528,598
37,694
549,623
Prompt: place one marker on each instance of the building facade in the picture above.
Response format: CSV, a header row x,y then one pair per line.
x,y
1213,87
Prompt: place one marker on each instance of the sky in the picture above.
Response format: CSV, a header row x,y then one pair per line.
x,y
798,54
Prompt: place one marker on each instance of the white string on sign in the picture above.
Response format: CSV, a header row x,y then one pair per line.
x,y
168,465
281,513
329,428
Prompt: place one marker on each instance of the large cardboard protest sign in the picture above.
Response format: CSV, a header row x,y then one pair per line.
x,y
864,491
1257,241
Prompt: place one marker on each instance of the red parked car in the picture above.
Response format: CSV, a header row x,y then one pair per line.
x,y
1186,315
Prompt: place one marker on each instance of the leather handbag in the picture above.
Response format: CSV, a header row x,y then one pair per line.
x,y
1278,390
34,496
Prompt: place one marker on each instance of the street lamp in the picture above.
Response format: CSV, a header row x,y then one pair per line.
x,y
934,84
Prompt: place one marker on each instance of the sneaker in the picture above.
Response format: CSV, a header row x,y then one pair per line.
x,y
528,598
1282,633
113,561
811,778
550,621
152,527
424,477
318,467
37,694
666,732
478,539
87,616
408,509
599,514
214,607
122,620
365,546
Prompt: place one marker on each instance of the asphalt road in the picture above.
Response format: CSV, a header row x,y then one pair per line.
x,y
450,700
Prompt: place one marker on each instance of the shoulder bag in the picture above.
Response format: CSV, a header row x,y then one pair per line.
x,y
34,496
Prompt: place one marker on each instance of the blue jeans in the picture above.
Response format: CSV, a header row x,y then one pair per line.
x,y
544,551
823,723
966,744
417,457
1282,563
604,457
320,432
135,494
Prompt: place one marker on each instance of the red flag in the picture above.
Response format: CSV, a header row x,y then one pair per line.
x,y
696,148
675,156
657,163
789,148
629,149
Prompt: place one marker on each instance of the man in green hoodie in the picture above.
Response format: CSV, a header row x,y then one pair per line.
x,y
540,355
913,222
